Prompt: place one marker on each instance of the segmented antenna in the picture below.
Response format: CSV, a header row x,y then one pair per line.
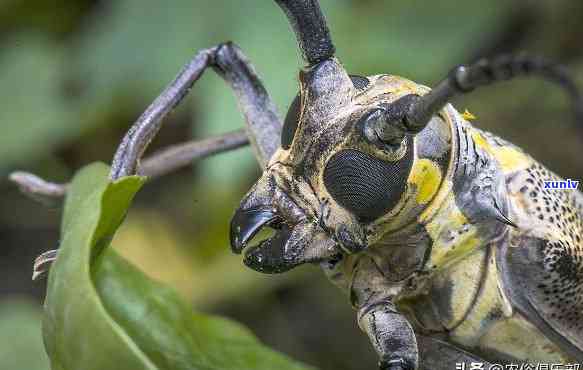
x,y
464,79
309,25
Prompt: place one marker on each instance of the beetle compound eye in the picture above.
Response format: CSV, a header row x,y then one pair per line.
x,y
364,185
290,124
360,83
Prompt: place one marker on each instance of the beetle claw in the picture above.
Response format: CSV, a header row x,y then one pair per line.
x,y
246,223
394,364
269,256
289,248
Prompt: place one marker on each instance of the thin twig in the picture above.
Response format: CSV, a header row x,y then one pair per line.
x,y
38,188
174,157
159,164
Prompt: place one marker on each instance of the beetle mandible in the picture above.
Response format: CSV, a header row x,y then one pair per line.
x,y
438,231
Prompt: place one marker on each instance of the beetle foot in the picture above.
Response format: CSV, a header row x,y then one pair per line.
x,y
394,364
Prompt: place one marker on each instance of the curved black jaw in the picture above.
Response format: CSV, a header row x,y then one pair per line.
x,y
269,256
296,240
246,223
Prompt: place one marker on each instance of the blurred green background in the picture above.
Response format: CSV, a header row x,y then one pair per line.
x,y
74,74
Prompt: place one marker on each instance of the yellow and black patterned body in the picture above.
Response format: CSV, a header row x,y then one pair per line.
x,y
460,287
446,239
448,232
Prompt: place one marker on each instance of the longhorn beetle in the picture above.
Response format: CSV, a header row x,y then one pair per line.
x,y
432,226
450,242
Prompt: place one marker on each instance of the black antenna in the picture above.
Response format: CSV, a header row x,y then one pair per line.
x,y
309,25
464,79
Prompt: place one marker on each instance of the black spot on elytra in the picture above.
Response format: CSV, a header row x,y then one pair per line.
x,y
359,82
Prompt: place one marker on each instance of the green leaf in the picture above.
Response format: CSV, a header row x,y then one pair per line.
x,y
103,313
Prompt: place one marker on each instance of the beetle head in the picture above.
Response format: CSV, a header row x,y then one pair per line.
x,y
349,170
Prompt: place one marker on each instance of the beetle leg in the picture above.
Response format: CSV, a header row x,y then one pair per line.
x,y
263,123
435,354
389,331
391,335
